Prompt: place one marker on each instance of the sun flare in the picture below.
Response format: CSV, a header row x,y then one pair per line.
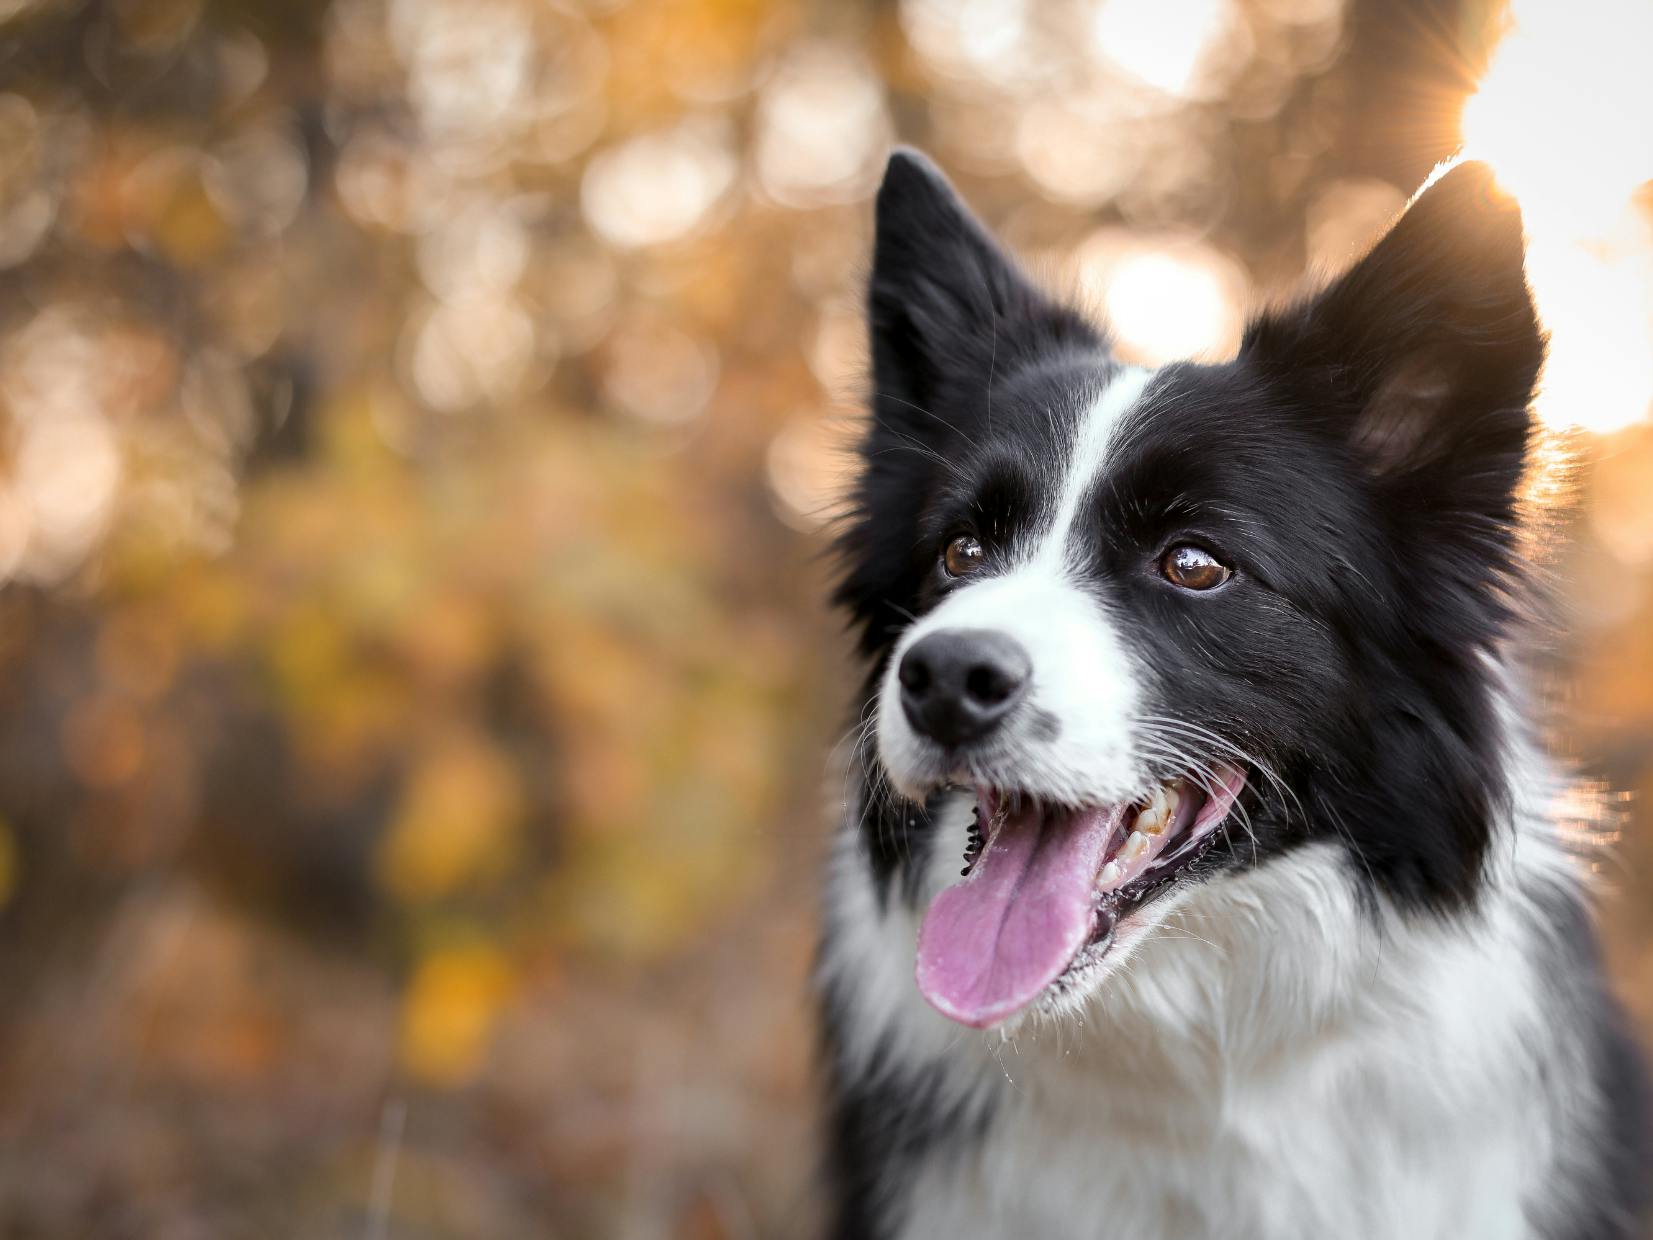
x,y
1567,124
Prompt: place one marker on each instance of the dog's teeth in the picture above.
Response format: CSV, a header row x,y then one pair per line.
x,y
1109,875
1152,820
1160,812
1135,846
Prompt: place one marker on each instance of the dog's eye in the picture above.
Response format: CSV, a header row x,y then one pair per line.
x,y
1193,568
963,556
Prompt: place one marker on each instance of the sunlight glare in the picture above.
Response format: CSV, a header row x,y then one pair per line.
x,y
1567,124
1167,297
1168,44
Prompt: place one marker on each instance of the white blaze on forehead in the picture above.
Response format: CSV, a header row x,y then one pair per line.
x,y
1092,441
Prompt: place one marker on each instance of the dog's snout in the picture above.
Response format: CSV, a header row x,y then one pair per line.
x,y
958,684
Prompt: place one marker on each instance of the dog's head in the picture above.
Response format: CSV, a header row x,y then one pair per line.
x,y
1161,626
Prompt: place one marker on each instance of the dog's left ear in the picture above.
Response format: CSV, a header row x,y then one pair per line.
x,y
1421,360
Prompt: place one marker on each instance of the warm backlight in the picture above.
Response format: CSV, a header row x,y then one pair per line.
x,y
1565,117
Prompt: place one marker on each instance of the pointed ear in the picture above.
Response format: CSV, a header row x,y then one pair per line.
x,y
947,308
1421,360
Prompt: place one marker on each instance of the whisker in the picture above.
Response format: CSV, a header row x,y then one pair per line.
x,y
992,364
900,610
926,412
1168,738
908,444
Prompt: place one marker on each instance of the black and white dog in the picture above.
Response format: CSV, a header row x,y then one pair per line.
x,y
1208,679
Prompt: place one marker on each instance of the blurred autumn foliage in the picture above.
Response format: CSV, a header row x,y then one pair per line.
x,y
419,421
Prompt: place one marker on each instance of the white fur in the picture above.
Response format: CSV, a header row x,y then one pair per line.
x,y
1271,1063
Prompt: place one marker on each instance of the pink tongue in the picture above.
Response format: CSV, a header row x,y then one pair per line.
x,y
993,941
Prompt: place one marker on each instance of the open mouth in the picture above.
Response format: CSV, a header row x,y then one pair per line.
x,y
1043,884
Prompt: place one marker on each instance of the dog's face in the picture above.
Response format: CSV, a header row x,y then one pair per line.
x,y
1161,626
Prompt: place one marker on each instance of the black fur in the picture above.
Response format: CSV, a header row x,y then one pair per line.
x,y
950,318
878,1122
1358,463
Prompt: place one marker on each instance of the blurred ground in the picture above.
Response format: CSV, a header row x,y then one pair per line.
x,y
419,421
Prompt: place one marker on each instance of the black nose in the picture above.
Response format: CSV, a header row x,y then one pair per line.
x,y
956,685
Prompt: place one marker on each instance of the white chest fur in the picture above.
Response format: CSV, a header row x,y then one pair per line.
x,y
1310,1150
1269,1064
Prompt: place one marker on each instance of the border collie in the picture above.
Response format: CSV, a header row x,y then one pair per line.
x,y
1203,872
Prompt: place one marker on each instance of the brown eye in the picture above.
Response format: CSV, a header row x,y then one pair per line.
x,y
1193,568
963,556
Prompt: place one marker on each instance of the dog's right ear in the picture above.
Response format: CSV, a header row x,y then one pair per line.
x,y
947,308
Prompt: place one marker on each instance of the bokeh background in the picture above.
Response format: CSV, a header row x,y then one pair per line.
x,y
420,423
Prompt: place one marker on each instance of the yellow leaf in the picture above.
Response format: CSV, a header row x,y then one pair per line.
x,y
450,1010
456,824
